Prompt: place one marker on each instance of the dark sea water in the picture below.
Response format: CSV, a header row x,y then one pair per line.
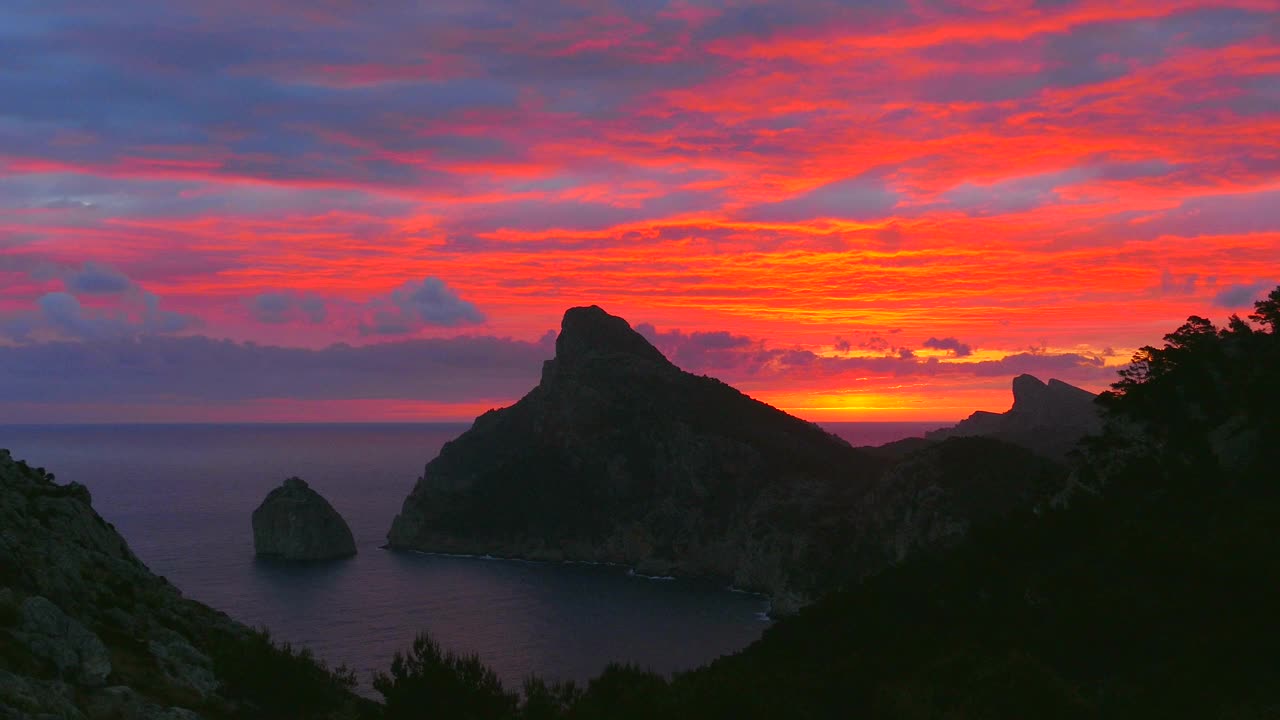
x,y
182,496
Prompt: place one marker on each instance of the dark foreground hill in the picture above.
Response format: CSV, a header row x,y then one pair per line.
x,y
86,631
620,456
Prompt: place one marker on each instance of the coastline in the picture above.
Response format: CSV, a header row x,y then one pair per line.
x,y
630,570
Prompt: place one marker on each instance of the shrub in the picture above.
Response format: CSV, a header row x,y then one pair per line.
x,y
278,680
429,682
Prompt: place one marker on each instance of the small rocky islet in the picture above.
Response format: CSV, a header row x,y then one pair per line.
x,y
294,522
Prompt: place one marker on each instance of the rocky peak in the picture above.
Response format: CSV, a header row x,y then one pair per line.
x,y
620,456
1046,417
1052,403
1029,392
588,332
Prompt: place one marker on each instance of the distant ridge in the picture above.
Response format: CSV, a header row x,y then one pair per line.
x,y
1049,418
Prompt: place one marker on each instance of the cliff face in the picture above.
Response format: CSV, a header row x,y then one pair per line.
x,y
86,631
295,523
933,497
1049,418
619,456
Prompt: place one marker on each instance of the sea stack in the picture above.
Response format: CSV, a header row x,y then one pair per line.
x,y
295,523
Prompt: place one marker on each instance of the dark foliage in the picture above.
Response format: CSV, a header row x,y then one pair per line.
x,y
548,701
277,681
429,682
1209,399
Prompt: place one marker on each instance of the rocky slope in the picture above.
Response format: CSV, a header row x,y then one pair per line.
x,y
619,456
1049,418
86,631
934,496
295,522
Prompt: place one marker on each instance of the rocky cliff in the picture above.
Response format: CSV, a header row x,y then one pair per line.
x,y
295,522
86,631
1049,418
619,456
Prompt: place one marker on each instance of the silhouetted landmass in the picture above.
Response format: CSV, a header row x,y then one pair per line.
x,y
1049,418
897,449
619,456
1147,588
1150,594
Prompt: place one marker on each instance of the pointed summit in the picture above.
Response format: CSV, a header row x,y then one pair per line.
x,y
587,332
1028,391
1048,418
620,456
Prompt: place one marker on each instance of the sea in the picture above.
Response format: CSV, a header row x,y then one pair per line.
x,y
182,496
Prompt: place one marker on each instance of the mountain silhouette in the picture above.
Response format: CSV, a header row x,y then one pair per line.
x,y
620,456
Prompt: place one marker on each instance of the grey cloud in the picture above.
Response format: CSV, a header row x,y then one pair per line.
x,y
1243,295
418,304
157,369
196,368
434,303
61,314
699,351
737,358
285,307
950,344
125,309
95,279
1072,364
1227,214
1174,284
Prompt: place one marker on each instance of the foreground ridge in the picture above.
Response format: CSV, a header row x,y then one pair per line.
x,y
87,631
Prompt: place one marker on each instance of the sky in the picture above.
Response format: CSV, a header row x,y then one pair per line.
x,y
286,210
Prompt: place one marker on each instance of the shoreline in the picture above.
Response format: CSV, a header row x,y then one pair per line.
x,y
630,570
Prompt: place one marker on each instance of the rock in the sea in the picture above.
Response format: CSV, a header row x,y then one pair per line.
x,y
295,523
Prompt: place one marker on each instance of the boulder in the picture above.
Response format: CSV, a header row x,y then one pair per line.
x,y
182,663
295,523
72,648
